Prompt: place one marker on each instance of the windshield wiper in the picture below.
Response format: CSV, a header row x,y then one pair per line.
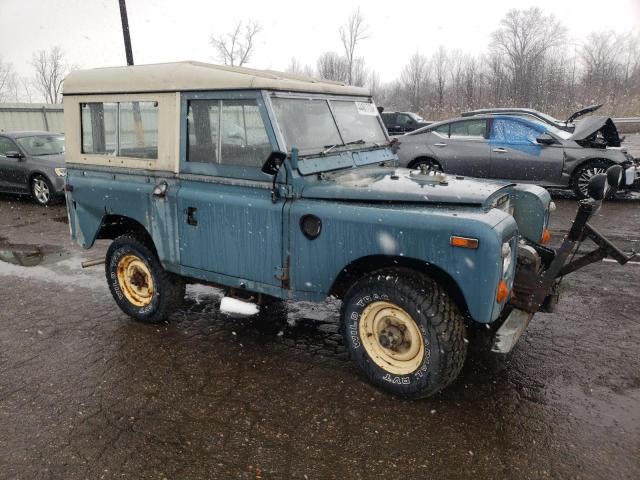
x,y
328,148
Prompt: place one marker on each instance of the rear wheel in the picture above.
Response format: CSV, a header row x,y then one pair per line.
x,y
426,164
141,287
404,332
584,173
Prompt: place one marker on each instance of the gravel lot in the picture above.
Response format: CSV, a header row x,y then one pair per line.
x,y
86,393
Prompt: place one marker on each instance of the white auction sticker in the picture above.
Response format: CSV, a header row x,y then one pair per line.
x,y
365,108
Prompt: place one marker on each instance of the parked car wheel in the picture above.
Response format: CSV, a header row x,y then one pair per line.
x,y
41,190
141,287
584,173
427,164
404,332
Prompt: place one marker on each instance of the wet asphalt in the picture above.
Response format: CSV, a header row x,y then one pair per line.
x,y
87,393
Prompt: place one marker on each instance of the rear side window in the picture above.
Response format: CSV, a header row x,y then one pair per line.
x,y
99,127
506,130
227,132
469,129
138,129
127,129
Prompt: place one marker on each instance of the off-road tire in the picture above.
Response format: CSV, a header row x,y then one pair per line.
x,y
434,312
37,198
169,289
575,178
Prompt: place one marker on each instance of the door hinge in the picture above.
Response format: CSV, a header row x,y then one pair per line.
x,y
282,274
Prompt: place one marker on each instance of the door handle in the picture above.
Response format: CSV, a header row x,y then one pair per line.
x,y
191,216
440,144
499,150
160,190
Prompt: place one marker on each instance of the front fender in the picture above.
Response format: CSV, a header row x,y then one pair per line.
x,y
354,230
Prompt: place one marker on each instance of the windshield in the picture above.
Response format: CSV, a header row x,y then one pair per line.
x,y
313,125
37,145
416,117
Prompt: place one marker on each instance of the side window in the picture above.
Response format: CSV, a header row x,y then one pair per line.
x,y
469,129
138,129
127,129
99,123
442,130
6,145
512,131
203,125
244,138
403,119
227,132
388,119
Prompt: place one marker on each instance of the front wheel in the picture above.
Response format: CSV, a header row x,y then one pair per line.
x,y
141,287
584,173
404,332
41,190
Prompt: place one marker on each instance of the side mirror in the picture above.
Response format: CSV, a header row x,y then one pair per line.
x,y
614,177
545,139
13,154
598,187
273,162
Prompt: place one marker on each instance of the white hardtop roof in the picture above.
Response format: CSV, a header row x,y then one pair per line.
x,y
184,76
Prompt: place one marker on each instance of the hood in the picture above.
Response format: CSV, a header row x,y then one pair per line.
x,y
596,132
55,160
380,184
583,111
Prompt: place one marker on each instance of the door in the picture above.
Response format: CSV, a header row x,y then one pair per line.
x,y
462,147
12,170
516,155
227,220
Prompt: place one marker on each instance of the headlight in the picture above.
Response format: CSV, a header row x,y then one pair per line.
x,y
506,258
61,172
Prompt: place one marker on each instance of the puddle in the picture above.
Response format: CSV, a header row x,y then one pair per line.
x,y
26,255
25,258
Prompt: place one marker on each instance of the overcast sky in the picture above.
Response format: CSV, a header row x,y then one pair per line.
x,y
90,34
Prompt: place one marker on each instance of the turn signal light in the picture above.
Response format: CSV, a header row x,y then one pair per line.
x,y
546,236
464,242
503,292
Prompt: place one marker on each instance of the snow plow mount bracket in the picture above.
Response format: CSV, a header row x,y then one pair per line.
x,y
531,289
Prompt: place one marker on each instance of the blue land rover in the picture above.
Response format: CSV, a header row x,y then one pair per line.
x,y
279,187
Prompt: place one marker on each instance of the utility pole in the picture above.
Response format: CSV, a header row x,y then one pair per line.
x,y
125,31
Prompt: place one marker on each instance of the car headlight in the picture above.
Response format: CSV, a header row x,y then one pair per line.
x,y
506,258
61,172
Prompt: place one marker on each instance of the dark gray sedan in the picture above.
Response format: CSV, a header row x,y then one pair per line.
x,y
519,149
32,163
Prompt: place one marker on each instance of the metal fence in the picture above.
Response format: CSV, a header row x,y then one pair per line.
x,y
31,116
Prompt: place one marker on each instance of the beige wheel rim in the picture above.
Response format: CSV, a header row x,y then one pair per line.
x,y
391,338
135,280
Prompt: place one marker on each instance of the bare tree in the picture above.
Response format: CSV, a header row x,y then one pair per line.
x,y
50,70
351,33
332,66
297,68
524,38
8,82
439,64
235,48
414,81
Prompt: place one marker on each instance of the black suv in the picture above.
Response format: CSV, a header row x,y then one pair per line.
x,y
398,123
